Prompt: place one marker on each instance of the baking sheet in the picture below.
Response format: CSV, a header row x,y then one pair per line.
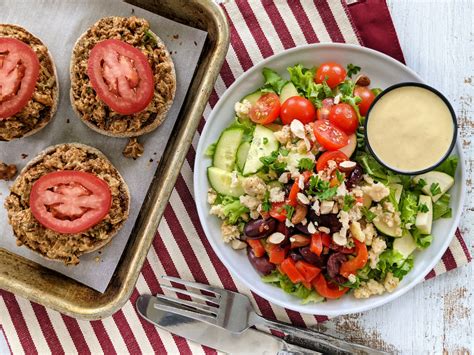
x,y
58,24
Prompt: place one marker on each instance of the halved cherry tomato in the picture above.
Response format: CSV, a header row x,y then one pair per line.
x,y
329,136
344,116
19,71
323,112
308,271
367,97
333,73
293,196
328,290
358,262
278,211
257,247
316,244
266,109
70,202
297,108
288,267
337,156
276,254
121,76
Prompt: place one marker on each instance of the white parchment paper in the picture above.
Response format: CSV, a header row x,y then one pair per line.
x,y
58,24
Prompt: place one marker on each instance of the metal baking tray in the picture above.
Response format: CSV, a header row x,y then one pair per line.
x,y
51,289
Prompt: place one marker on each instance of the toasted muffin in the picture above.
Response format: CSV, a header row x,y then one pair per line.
x,y
41,107
91,109
48,242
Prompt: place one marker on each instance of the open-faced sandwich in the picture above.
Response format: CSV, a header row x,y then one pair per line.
x,y
68,201
29,88
123,80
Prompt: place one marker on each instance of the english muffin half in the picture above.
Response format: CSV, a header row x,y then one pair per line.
x,y
68,201
30,87
123,80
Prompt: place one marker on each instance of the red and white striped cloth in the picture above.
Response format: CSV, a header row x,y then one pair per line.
x,y
259,28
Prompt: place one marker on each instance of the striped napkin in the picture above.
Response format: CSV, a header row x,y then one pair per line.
x,y
259,28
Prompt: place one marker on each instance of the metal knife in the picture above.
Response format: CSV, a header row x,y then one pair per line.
x,y
250,342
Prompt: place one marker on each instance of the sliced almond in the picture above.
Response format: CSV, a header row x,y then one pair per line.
x,y
324,230
311,228
347,166
303,198
297,128
339,239
276,238
326,207
238,244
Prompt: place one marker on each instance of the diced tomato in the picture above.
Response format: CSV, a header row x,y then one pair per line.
x,y
328,290
308,271
329,136
19,72
70,202
337,156
121,76
277,254
293,196
316,244
288,267
332,73
358,262
307,175
326,239
367,97
323,112
278,211
257,247
266,109
297,108
344,116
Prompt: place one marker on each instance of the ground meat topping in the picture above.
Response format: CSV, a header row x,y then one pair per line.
x,y
136,32
57,246
7,172
39,110
133,149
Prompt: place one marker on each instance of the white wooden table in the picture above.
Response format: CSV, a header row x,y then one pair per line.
x,y
437,38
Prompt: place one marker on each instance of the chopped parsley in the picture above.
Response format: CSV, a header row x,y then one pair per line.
x,y
421,183
349,202
352,69
306,164
423,208
340,176
321,188
435,189
266,204
271,162
289,211
284,152
149,38
265,140
368,214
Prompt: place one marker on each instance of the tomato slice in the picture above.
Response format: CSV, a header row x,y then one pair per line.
x,y
323,112
316,244
266,109
293,195
70,202
121,76
333,73
276,254
278,211
288,267
329,136
344,116
367,97
328,290
257,247
297,108
358,262
336,155
308,271
19,72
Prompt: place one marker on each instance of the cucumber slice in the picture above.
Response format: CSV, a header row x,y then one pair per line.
x,y
405,245
221,181
397,188
383,227
424,220
242,154
226,149
263,144
350,148
443,180
253,97
287,91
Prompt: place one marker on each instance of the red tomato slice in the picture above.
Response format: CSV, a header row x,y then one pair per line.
x,y
316,244
293,195
329,136
266,109
121,76
323,112
367,97
328,290
19,72
336,156
276,254
358,262
333,73
278,211
257,247
308,271
297,108
70,202
288,267
344,116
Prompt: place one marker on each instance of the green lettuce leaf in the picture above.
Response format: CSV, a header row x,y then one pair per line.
x,y
303,79
408,207
423,241
313,297
245,124
449,165
371,166
394,262
211,150
273,81
441,207
278,279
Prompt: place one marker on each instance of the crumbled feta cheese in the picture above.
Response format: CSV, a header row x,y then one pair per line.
x,y
229,232
316,207
242,109
234,179
341,191
301,182
283,178
368,179
335,209
254,186
326,207
357,232
378,246
357,191
352,278
343,217
238,244
217,210
310,132
377,191
297,128
303,198
388,206
332,165
301,147
368,289
288,223
355,213
370,233
277,194
339,239
283,135
391,219
251,202
254,214
211,196
391,282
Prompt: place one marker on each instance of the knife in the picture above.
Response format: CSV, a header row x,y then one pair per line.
x,y
250,342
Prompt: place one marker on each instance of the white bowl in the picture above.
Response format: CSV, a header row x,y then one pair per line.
x,y
383,72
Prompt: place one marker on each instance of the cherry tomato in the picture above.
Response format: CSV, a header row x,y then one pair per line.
x,y
328,290
358,262
121,76
276,254
316,244
333,73
278,212
335,155
367,97
323,112
308,271
297,108
257,247
344,116
19,71
266,109
329,136
288,267
70,202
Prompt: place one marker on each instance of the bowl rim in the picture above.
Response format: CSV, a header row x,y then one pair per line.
x,y
434,91
296,305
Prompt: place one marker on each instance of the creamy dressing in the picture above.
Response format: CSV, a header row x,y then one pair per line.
x,y
410,129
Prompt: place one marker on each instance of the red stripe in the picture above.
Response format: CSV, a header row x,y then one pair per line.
x,y
353,26
430,275
295,318
329,21
19,323
126,333
463,245
226,74
6,339
278,23
304,22
448,260
321,319
102,337
76,335
47,329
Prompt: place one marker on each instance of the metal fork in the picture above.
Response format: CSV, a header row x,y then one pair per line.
x,y
234,312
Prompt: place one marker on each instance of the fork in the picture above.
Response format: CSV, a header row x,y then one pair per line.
x,y
234,312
